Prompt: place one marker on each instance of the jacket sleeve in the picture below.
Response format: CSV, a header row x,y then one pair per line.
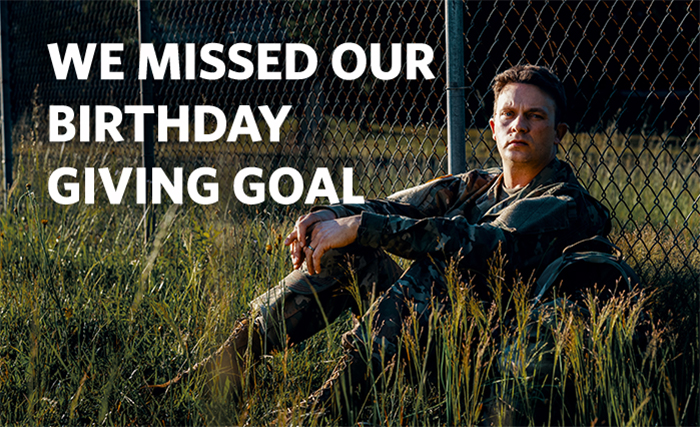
x,y
529,233
433,198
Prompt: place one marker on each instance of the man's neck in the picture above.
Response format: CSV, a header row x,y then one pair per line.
x,y
515,177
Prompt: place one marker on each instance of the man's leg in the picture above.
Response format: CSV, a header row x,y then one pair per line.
x,y
297,308
407,307
302,304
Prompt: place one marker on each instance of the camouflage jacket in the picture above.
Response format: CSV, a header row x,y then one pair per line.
x,y
469,216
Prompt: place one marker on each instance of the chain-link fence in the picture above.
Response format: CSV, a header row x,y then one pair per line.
x,y
630,70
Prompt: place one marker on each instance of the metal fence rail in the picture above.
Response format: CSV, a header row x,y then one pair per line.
x,y
630,70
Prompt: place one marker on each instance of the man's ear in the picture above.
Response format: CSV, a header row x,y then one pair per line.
x,y
562,128
493,131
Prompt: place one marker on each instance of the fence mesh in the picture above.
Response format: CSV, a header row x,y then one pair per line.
x,y
630,70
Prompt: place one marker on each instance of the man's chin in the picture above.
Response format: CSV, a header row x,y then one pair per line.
x,y
517,157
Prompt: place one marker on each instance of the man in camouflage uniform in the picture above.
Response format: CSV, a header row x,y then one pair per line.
x,y
531,209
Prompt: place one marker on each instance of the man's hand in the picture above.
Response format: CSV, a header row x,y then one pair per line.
x,y
297,238
326,233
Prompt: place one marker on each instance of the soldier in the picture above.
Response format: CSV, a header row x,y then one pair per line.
x,y
531,208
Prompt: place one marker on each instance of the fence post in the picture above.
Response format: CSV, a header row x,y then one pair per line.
x,y
146,91
5,102
457,161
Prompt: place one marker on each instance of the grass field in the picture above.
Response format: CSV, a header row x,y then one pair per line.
x,y
90,313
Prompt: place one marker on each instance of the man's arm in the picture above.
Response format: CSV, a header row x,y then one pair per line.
x,y
434,198
529,232
405,203
525,232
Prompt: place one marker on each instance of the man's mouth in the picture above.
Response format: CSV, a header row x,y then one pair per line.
x,y
517,143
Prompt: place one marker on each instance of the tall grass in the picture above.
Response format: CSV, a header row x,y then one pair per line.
x,y
90,313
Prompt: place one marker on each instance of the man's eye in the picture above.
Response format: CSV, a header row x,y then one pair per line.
x,y
506,113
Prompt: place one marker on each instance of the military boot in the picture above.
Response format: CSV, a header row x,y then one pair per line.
x,y
225,369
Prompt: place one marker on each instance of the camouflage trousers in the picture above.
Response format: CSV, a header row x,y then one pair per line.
x,y
366,281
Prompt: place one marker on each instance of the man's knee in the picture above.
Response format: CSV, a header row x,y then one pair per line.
x,y
353,265
288,317
303,304
278,313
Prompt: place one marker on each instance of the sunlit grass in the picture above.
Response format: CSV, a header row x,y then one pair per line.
x,y
90,313
87,321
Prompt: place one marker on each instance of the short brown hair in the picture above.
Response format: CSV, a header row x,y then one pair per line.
x,y
535,75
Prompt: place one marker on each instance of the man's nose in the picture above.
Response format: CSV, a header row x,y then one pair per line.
x,y
520,124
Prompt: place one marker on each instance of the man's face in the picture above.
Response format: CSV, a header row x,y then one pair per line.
x,y
523,128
